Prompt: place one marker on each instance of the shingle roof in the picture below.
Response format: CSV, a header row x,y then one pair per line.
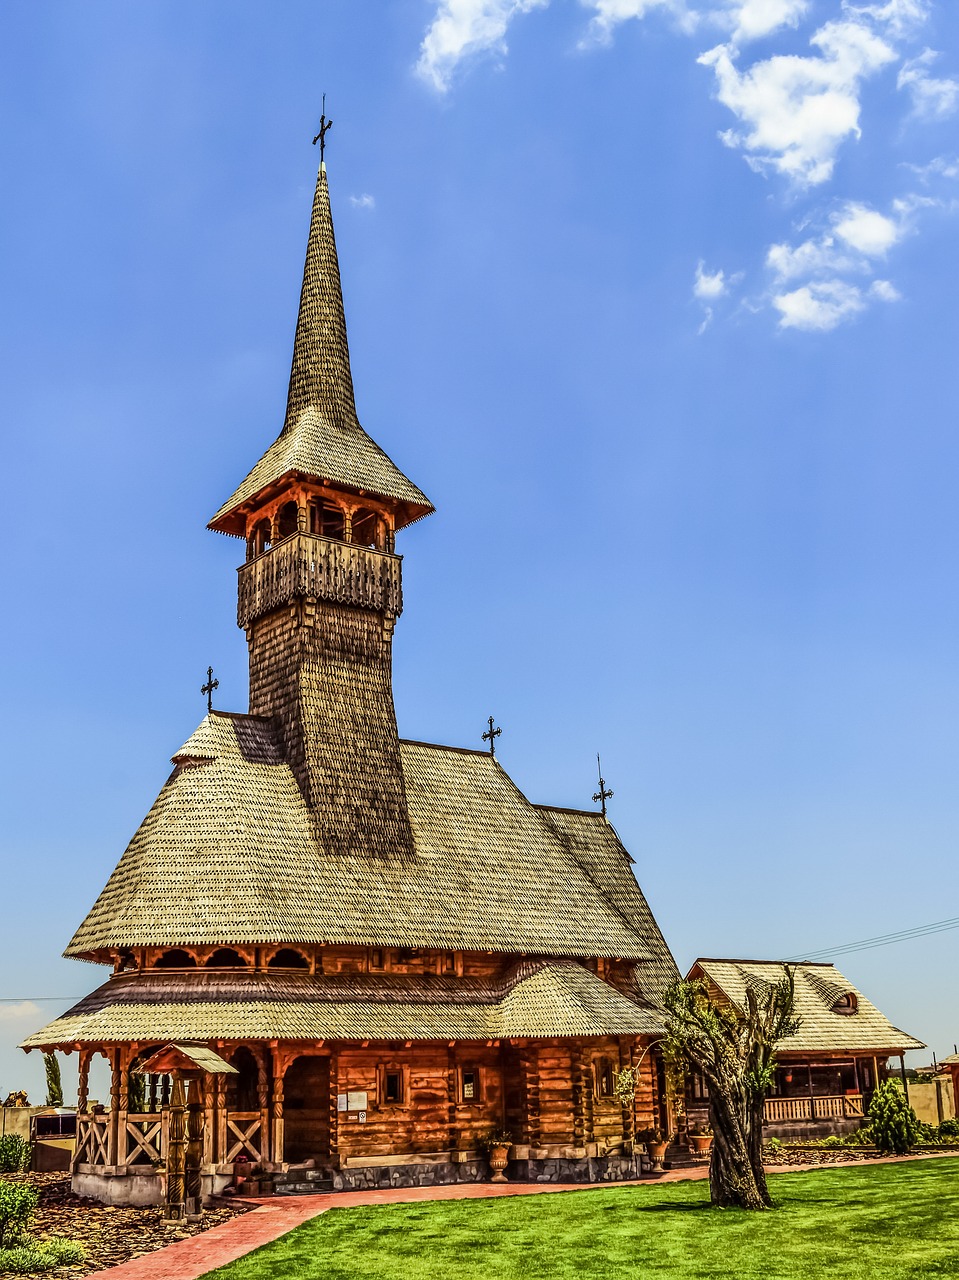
x,y
537,998
322,437
818,988
231,831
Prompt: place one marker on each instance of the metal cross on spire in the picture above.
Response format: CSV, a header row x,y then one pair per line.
x,y
325,127
208,688
603,794
491,735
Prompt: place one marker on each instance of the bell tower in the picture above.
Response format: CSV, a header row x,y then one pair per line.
x,y
320,591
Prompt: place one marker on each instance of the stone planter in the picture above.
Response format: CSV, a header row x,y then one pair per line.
x,y
701,1144
657,1154
498,1158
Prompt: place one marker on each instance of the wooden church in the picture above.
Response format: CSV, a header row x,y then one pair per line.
x,y
373,951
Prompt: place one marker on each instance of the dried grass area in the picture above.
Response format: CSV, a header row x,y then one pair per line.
x,y
110,1235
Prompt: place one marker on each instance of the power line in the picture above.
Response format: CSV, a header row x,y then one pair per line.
x,y
34,999
883,940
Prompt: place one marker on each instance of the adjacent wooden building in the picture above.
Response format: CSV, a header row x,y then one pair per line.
x,y
826,1073
395,950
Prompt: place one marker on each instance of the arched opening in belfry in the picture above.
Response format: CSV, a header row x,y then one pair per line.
x,y
287,958
306,1109
175,959
242,1092
262,537
367,528
226,958
286,520
326,518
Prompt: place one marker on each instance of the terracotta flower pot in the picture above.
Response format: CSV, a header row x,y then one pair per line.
x,y
498,1159
657,1153
701,1143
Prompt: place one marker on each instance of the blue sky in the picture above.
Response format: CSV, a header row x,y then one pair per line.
x,y
655,301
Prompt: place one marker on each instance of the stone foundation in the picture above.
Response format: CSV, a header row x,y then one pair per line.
x,y
443,1173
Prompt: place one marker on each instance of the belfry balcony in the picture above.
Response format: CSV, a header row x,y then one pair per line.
x,y
305,565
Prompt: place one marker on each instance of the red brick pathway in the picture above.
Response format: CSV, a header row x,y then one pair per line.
x,y
274,1217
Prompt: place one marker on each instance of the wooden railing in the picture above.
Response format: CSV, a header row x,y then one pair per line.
x,y
244,1133
93,1140
846,1106
144,1138
322,569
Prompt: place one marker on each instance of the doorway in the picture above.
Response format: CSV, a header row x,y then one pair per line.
x,y
306,1110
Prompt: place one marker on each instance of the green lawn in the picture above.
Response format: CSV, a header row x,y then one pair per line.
x,y
887,1222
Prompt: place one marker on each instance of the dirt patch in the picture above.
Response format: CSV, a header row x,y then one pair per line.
x,y
110,1235
796,1154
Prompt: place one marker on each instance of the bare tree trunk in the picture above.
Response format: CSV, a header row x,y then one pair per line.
x,y
732,1179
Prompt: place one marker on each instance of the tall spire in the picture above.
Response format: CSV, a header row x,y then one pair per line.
x,y
320,378
321,436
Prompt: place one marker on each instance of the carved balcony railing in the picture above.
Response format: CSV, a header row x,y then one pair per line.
x,y
846,1106
306,566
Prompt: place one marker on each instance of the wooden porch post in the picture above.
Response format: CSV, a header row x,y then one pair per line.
x,y
83,1080
279,1070
209,1118
263,1101
113,1149
334,1110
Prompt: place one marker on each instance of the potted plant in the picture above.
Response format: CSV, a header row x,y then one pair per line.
x,y
655,1147
496,1144
701,1140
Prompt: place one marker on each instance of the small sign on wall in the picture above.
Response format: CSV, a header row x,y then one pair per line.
x,y
342,1102
356,1101
362,1117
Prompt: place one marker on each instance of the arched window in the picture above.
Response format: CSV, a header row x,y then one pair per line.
x,y
287,958
326,519
367,528
226,958
846,1004
175,959
261,537
286,520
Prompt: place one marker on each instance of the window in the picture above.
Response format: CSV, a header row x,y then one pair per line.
x,y
698,1086
603,1070
326,519
287,520
393,1086
376,959
448,962
287,958
846,1004
470,1085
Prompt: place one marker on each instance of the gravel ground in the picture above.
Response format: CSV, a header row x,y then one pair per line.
x,y
109,1235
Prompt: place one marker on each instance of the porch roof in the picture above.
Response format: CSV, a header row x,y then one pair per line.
x,y
538,998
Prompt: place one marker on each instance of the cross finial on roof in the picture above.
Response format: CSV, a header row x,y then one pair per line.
x,y
325,127
603,794
208,688
491,735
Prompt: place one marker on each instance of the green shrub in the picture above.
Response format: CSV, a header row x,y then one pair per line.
x,y
773,1146
14,1153
949,1129
895,1126
17,1202
41,1255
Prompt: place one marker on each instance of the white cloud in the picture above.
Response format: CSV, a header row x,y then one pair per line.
x,y
364,201
899,17
608,14
940,167
867,231
708,286
818,306
754,19
799,110
465,28
885,291
21,1010
932,98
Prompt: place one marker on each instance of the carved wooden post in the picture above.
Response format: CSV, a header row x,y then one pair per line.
x,y
263,1101
279,1070
451,1095
176,1160
334,1111
194,1148
83,1080
348,524
209,1118
221,1147
113,1144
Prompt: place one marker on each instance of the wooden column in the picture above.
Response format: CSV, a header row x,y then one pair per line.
x,y
116,1076
452,1132
83,1079
334,1112
579,1097
263,1101
279,1070
209,1118
194,1148
176,1157
530,1061
221,1144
